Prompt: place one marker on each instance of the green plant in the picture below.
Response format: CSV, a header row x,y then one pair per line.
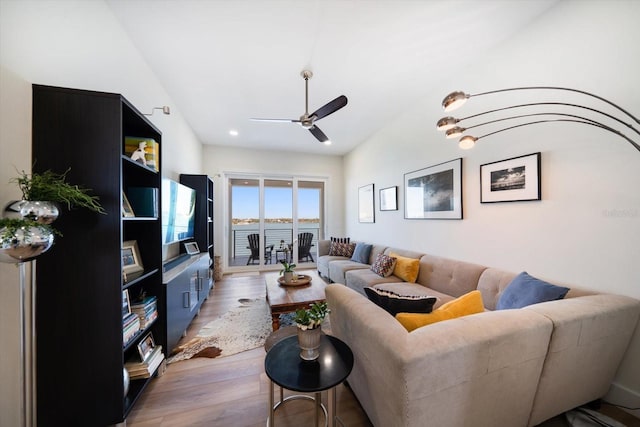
x,y
286,267
52,187
312,317
9,227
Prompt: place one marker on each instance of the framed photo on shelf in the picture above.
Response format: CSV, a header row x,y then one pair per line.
x,y
191,248
434,192
127,212
365,204
126,303
511,180
389,199
146,346
131,260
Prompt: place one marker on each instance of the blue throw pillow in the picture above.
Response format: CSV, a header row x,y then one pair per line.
x,y
361,253
525,290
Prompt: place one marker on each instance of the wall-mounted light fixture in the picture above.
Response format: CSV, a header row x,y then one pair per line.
x,y
165,110
457,99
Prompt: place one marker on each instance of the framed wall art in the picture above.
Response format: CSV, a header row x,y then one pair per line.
x,y
389,199
434,192
131,260
511,180
365,204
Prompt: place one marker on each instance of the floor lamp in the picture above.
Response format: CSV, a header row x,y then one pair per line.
x,y
21,241
456,99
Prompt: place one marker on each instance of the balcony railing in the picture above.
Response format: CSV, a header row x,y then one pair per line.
x,y
272,236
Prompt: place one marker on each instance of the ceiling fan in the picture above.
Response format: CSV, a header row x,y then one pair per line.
x,y
308,120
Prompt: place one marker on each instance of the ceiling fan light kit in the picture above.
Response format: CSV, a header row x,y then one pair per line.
x,y
307,120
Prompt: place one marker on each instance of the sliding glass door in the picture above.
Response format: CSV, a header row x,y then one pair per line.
x,y
273,220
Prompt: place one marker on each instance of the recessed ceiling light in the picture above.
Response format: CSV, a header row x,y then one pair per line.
x,y
233,132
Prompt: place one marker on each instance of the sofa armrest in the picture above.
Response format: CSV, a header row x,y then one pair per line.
x,y
590,337
323,247
486,365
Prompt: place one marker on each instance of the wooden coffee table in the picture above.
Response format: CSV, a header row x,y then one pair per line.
x,y
287,299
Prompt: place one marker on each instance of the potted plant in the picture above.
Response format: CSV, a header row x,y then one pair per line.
x,y
40,192
309,323
288,271
22,239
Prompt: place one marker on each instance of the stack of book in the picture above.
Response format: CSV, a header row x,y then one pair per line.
x,y
147,367
146,309
130,327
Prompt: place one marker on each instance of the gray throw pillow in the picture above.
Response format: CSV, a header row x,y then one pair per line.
x,y
525,290
361,253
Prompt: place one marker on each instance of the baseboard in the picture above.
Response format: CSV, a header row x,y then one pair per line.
x,y
620,395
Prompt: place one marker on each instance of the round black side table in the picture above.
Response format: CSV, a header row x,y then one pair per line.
x,y
284,367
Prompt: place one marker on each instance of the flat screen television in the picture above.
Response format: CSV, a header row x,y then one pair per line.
x,y
178,211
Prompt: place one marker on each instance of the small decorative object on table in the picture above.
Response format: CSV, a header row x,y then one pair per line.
x,y
288,271
310,330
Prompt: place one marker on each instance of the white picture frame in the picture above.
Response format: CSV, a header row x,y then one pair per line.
x,y
366,211
191,248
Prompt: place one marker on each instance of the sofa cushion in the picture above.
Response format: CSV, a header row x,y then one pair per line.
x,y
525,290
406,268
383,265
338,269
395,303
470,303
358,279
361,253
341,249
449,276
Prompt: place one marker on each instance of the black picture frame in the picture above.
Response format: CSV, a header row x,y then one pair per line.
x,y
434,192
517,179
389,198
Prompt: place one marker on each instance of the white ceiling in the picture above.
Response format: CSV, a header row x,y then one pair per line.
x,y
224,61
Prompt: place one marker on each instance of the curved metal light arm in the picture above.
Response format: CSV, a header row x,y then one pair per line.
x,y
585,122
560,88
533,104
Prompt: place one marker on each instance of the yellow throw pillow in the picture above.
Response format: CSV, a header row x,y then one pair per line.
x,y
406,268
469,303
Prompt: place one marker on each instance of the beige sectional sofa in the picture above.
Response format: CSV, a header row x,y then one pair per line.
x,y
516,367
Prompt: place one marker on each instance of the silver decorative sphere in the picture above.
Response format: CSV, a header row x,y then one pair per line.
x,y
24,244
42,212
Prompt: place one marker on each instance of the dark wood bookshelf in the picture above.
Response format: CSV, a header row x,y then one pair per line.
x,y
80,281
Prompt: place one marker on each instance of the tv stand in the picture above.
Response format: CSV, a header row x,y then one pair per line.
x,y
186,283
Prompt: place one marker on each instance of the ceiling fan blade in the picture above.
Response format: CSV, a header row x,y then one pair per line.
x,y
330,107
276,120
320,136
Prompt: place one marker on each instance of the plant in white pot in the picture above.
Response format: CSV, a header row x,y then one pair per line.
x,y
309,323
288,271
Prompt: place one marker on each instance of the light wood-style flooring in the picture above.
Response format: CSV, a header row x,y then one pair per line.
x,y
233,390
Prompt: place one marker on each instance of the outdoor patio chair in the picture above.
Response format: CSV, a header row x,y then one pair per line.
x,y
304,247
254,246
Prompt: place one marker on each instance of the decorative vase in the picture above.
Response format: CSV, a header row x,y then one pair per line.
x,y
24,244
309,342
288,276
42,212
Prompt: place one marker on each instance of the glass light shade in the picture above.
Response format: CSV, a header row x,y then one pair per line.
x,y
454,132
454,100
446,123
467,142
327,142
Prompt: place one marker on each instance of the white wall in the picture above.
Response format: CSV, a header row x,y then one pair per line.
x,y
219,160
586,229
76,44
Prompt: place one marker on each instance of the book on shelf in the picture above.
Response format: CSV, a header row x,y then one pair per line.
x,y
146,310
147,367
143,201
145,151
130,327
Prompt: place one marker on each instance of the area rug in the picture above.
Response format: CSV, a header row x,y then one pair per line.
x,y
240,329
